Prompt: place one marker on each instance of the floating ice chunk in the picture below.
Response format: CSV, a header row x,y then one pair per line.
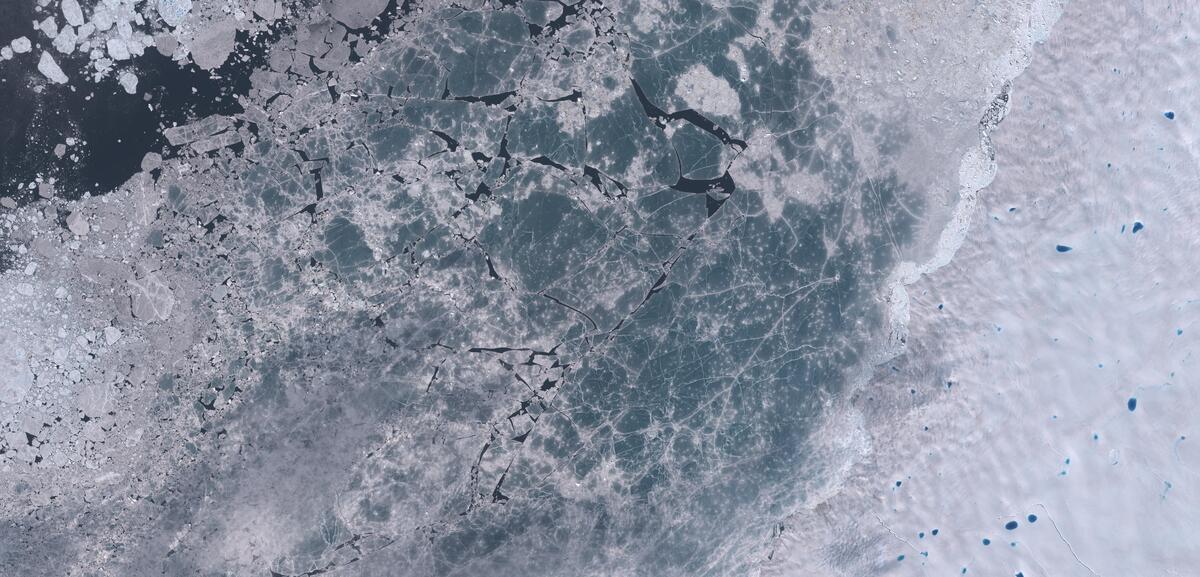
x,y
103,18
355,13
49,68
65,43
6,53
129,82
111,335
71,11
214,44
151,161
49,27
173,12
21,45
117,50
202,128
267,10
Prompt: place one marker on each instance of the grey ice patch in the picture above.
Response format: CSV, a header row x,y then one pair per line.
x,y
207,126
152,298
268,10
205,135
95,400
707,93
77,223
15,377
355,13
49,68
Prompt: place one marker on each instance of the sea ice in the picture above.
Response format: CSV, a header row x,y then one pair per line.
x,y
128,81
72,13
21,45
49,68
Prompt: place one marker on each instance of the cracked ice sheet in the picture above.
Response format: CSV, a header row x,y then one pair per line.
x,y
1047,390
511,289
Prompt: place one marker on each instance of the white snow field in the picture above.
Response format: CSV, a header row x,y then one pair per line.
x,y
1045,419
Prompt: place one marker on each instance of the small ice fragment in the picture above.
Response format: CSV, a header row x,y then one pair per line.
x,y
46,189
21,45
111,335
6,52
71,11
129,82
49,68
77,223
60,150
30,269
